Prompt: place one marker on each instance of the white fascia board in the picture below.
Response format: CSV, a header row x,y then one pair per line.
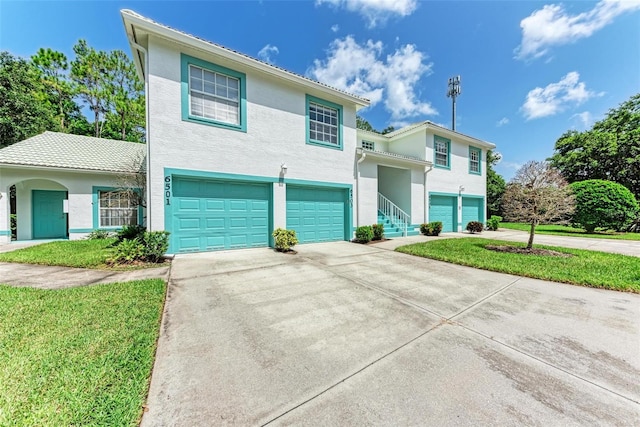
x,y
135,23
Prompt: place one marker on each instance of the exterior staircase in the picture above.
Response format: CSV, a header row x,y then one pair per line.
x,y
395,221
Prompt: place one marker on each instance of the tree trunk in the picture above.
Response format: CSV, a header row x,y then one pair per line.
x,y
532,231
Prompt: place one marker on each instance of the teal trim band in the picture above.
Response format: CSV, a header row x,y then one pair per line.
x,y
435,193
328,104
5,232
316,183
96,213
440,139
185,62
81,230
217,175
478,151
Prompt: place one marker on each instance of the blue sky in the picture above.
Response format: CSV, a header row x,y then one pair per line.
x,y
530,70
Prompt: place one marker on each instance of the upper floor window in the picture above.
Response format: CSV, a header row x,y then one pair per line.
x,y
474,160
368,145
212,94
324,123
441,152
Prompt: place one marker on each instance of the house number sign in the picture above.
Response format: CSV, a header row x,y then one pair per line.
x,y
167,189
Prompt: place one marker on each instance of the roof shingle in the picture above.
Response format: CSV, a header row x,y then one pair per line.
x,y
61,150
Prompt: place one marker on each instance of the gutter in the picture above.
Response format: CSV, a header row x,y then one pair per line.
x,y
148,124
427,169
360,160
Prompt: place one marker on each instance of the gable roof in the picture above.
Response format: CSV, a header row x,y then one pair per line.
x,y
136,24
65,151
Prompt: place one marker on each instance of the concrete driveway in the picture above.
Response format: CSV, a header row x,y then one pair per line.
x,y
344,334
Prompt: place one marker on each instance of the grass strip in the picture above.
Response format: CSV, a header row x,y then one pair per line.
x,y
79,356
585,268
563,230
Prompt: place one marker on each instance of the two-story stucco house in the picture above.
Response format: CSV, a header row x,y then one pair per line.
x,y
238,147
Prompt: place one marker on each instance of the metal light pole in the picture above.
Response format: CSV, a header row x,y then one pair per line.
x,y
453,92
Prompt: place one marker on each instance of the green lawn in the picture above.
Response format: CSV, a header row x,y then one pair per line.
x,y
79,356
586,268
70,253
563,230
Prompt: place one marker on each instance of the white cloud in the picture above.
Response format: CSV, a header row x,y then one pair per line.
x,y
503,121
553,26
361,69
335,28
585,119
556,97
376,12
267,52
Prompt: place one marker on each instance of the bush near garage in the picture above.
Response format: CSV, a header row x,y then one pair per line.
x,y
378,231
284,240
364,234
148,246
431,229
130,232
603,204
494,222
475,227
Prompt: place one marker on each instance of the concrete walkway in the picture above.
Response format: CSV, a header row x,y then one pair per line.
x,y
46,277
343,334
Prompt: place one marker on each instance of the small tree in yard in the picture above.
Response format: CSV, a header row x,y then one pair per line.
x,y
604,204
538,194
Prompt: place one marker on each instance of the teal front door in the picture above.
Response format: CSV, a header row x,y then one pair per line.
x,y
49,219
444,209
317,214
210,215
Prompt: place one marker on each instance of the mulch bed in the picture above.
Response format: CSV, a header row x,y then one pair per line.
x,y
525,251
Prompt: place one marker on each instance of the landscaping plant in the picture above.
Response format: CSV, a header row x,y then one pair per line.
x,y
431,229
603,204
364,234
99,235
474,227
129,232
378,231
284,239
494,222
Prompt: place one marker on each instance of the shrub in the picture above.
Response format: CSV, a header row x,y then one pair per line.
x,y
603,204
475,227
130,232
431,229
155,245
364,234
284,239
99,235
494,222
378,231
128,251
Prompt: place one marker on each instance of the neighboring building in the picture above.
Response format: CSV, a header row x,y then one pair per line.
x,y
237,147
65,186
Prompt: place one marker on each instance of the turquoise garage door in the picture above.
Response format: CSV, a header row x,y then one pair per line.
x,y
209,215
317,214
472,208
444,209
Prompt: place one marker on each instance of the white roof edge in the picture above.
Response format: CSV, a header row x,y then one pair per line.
x,y
58,168
442,130
131,18
393,156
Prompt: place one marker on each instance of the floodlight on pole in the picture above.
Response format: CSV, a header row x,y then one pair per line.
x,y
453,92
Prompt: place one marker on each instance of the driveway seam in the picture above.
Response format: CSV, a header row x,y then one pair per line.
x,y
457,323
482,300
384,356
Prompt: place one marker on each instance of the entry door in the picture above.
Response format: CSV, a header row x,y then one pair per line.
x,y
49,220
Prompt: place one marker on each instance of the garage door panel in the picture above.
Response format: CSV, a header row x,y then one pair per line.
x,y
215,215
443,209
316,214
471,210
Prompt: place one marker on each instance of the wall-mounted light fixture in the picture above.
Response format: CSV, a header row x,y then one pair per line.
x,y
283,168
461,189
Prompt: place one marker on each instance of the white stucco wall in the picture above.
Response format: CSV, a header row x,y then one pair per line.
x,y
276,133
79,186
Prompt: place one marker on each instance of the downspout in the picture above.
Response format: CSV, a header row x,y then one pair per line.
x,y
360,160
427,169
148,125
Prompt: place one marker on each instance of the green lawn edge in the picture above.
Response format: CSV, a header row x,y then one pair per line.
x,y
585,268
563,230
78,356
